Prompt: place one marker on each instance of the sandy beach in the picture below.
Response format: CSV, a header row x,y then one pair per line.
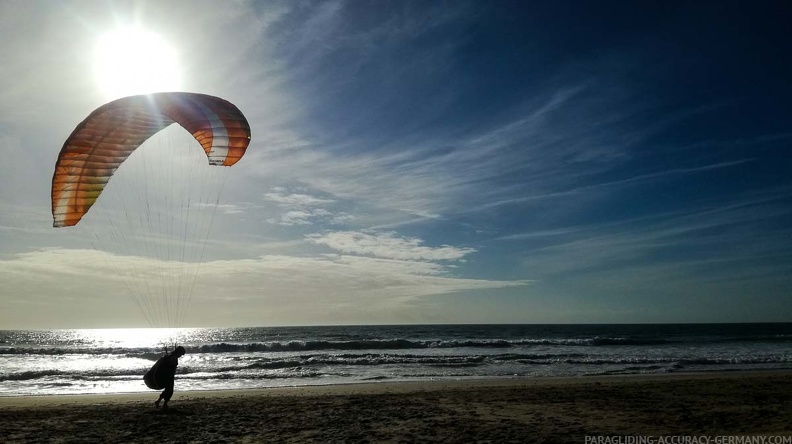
x,y
515,410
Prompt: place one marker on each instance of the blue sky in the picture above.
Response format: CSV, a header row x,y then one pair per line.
x,y
424,162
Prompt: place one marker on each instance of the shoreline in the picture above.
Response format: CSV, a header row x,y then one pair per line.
x,y
552,409
368,387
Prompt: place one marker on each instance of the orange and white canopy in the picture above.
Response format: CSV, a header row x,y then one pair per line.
x,y
101,142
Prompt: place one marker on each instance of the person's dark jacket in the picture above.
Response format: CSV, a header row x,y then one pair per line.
x,y
162,373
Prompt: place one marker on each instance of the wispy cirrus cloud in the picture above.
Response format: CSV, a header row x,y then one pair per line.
x,y
282,196
560,142
592,187
388,245
299,208
309,216
667,241
436,175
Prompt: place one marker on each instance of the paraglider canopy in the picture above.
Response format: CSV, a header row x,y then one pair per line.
x,y
102,141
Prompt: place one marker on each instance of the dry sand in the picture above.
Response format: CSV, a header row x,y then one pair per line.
x,y
497,411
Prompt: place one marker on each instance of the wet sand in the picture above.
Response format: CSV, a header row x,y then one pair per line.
x,y
514,410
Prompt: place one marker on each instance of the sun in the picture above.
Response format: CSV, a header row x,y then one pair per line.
x,y
131,60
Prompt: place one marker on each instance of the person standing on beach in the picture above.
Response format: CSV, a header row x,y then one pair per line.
x,y
163,375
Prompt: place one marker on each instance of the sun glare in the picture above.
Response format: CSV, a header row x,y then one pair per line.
x,y
131,61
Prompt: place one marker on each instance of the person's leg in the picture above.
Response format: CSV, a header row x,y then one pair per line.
x,y
161,397
166,395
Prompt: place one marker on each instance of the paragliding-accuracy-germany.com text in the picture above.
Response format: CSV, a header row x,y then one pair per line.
x,y
689,439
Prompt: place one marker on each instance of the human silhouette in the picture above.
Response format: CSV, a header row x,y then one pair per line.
x,y
162,376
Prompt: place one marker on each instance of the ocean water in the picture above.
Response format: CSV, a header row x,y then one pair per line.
x,y
39,362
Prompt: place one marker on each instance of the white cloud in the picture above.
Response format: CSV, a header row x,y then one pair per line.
x,y
300,217
300,208
388,245
268,289
282,196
